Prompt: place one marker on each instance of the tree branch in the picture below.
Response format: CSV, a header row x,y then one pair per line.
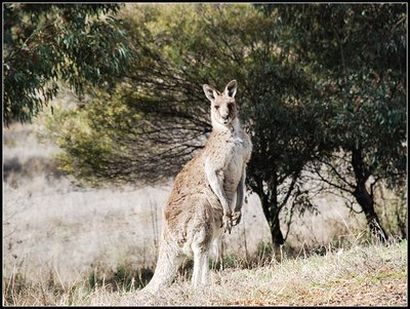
x,y
331,183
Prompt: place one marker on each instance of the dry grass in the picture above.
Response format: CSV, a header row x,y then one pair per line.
x,y
374,275
371,275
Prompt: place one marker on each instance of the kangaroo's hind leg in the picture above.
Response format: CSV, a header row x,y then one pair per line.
x,y
201,243
200,238
201,266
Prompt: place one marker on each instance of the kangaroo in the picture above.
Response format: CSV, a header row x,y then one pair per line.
x,y
207,195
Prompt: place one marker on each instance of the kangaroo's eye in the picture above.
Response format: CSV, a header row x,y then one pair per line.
x,y
216,106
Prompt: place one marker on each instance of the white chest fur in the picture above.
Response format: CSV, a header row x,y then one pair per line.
x,y
235,161
239,147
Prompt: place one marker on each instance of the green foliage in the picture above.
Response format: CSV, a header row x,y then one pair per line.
x,y
336,38
45,44
85,145
357,54
370,116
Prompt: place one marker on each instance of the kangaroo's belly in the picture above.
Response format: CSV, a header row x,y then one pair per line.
x,y
233,172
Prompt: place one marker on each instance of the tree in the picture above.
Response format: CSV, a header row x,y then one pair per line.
x,y
357,54
155,120
45,44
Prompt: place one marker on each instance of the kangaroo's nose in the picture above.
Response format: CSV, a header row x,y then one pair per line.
x,y
225,117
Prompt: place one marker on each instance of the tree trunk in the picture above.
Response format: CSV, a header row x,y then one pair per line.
x,y
276,233
367,204
363,197
271,212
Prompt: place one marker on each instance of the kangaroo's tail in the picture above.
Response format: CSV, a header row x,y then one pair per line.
x,y
168,263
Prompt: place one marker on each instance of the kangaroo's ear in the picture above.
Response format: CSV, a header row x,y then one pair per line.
x,y
230,89
210,92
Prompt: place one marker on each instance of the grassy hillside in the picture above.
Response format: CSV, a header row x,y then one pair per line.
x,y
371,275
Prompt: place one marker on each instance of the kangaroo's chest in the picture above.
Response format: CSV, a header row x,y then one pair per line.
x,y
227,154
236,154
235,160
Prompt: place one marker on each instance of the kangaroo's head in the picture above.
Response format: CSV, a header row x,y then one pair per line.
x,y
223,106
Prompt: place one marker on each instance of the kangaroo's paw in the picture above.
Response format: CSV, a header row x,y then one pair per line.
x,y
227,223
236,217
